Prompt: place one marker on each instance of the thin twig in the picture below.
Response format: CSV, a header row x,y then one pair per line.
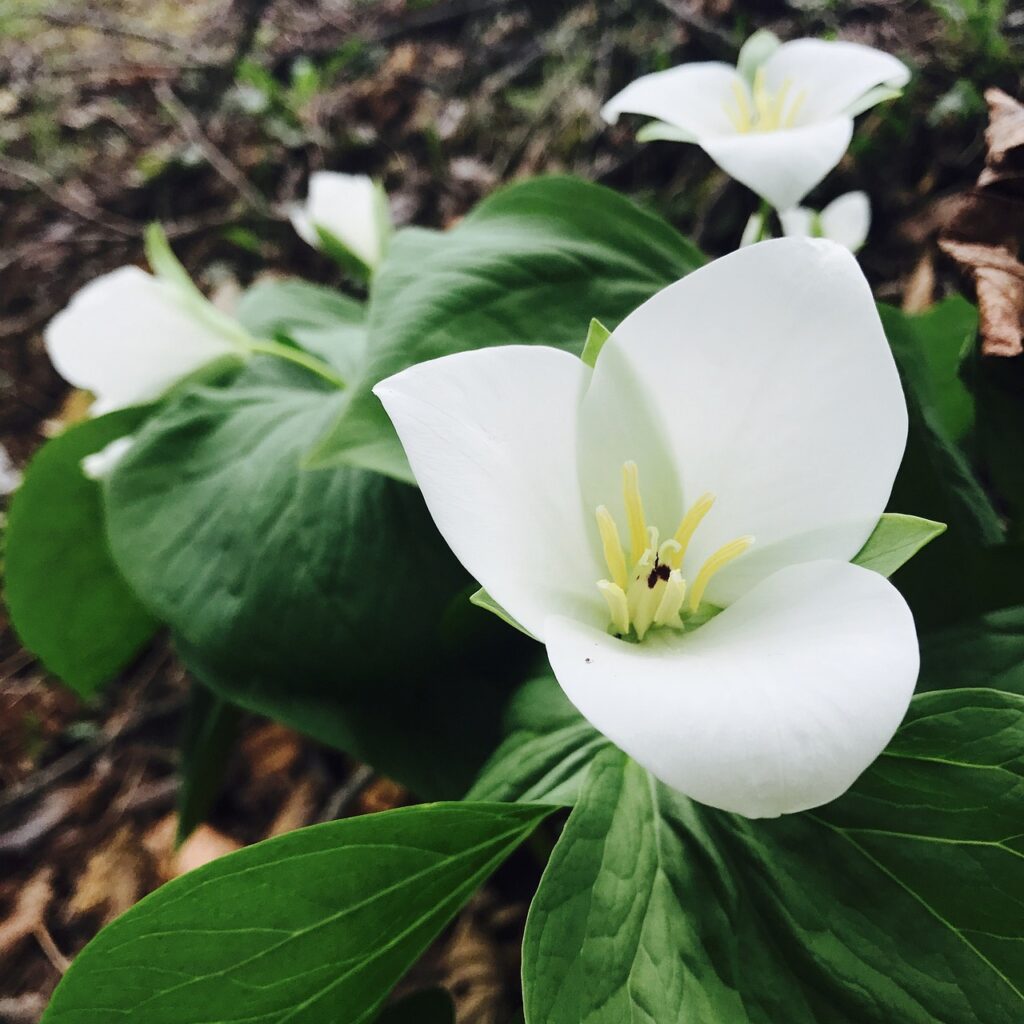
x,y
193,130
37,177
93,21
343,797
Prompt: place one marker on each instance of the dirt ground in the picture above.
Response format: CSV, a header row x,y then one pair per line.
x,y
208,116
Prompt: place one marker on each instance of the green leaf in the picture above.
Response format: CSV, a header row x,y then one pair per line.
x,y
211,725
986,651
69,604
314,926
547,750
903,900
531,265
950,580
597,335
324,599
433,1006
482,599
895,540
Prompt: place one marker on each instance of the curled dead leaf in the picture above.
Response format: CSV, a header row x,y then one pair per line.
x,y
985,234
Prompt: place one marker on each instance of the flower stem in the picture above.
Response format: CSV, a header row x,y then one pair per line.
x,y
296,355
765,213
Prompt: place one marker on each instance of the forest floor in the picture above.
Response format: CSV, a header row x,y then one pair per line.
x,y
208,116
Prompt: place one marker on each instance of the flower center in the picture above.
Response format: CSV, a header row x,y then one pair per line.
x,y
648,590
770,111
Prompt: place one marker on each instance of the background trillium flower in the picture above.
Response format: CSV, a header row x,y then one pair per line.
x,y
763,380
845,220
349,211
128,336
780,121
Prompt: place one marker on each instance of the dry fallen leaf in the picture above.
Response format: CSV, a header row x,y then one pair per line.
x,y
985,234
115,877
29,910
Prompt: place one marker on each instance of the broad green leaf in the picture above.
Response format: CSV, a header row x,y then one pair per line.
x,y
433,1006
320,320
313,927
949,581
930,347
211,725
67,600
597,335
903,900
324,599
531,265
987,651
895,540
547,750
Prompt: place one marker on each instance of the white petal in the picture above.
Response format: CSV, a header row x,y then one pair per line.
x,y
775,706
348,206
10,475
491,438
782,166
832,75
127,337
304,227
693,97
775,389
846,220
753,229
798,222
100,465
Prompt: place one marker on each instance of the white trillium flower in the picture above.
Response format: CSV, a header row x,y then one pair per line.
x,y
779,121
676,524
845,220
347,212
129,336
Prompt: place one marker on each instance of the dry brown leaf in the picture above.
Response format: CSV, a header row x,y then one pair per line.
x,y
299,809
271,750
116,876
29,910
985,234
204,845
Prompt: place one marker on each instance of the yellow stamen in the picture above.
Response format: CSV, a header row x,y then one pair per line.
x,y
798,102
698,510
668,550
614,556
634,510
671,602
722,557
740,117
617,607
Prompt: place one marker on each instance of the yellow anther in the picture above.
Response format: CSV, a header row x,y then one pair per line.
x,y
671,601
617,607
614,556
698,510
634,510
722,557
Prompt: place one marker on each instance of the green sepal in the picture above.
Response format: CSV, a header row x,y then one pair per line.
x,y
895,540
484,600
755,51
659,131
597,335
